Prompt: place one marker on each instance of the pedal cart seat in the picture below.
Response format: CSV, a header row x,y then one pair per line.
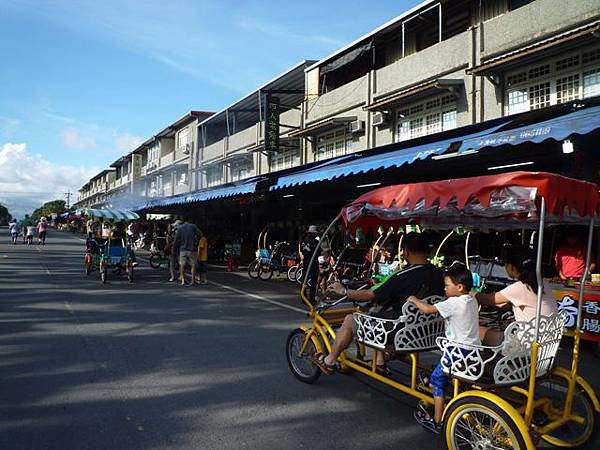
x,y
510,362
413,331
115,255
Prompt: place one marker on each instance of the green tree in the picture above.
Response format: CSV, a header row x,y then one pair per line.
x,y
48,208
4,215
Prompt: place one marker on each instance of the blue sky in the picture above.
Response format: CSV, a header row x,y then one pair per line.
x,y
83,82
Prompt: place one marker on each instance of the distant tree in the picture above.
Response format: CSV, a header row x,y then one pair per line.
x,y
48,208
4,215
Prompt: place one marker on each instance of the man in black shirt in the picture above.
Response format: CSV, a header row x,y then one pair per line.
x,y
310,245
419,277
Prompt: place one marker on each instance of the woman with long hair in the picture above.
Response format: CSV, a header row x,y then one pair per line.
x,y
522,294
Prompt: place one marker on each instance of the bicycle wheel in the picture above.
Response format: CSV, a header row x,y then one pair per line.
x,y
299,363
299,274
155,261
573,433
473,422
291,273
265,271
253,269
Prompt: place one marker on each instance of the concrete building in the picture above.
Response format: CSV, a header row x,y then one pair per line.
x,y
96,190
447,64
231,142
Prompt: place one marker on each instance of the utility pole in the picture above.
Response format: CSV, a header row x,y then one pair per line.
x,y
68,194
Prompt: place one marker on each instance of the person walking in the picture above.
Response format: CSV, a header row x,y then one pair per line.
x,y
186,240
29,234
14,229
170,249
42,228
202,258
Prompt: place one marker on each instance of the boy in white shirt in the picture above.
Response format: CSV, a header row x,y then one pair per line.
x,y
461,314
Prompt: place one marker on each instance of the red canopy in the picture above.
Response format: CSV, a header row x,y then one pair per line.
x,y
489,199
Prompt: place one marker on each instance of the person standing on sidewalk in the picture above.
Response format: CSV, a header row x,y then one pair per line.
x,y
202,258
186,240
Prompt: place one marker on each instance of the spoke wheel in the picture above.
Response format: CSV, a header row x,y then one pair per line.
x,y
155,261
265,271
477,423
299,273
300,364
291,273
253,269
572,433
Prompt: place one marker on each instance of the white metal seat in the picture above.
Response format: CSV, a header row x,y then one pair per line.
x,y
412,331
510,362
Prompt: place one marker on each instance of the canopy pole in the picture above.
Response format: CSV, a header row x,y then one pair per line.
x,y
586,271
538,268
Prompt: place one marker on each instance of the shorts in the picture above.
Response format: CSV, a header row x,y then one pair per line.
x,y
202,267
14,234
186,257
439,380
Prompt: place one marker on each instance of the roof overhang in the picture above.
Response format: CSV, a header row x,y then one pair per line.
x,y
589,32
416,92
322,126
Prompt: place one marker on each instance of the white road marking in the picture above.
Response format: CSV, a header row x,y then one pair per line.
x,y
259,297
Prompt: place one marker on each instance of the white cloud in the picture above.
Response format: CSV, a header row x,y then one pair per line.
x,y
27,181
76,140
127,142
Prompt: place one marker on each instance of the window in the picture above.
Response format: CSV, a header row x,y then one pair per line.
x,y
154,152
563,79
214,175
334,143
429,117
241,168
183,137
181,177
288,157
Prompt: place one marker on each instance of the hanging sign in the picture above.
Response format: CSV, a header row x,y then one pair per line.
x,y
271,122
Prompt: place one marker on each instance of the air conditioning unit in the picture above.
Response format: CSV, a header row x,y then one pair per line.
x,y
358,126
381,119
187,148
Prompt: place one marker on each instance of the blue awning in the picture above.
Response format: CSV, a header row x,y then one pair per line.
x,y
582,121
248,187
357,164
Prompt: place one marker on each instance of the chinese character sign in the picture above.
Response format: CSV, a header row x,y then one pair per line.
x,y
272,110
590,323
136,160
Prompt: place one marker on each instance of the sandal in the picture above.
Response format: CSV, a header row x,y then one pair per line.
x,y
319,361
427,421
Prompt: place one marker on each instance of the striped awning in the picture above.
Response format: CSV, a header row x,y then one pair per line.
x,y
114,214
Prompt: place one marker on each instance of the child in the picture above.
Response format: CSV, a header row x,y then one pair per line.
x,y
30,232
461,313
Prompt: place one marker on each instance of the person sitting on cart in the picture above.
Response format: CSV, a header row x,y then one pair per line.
x,y
570,258
461,314
117,239
522,294
418,278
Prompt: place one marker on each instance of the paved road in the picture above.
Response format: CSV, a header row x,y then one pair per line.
x,y
161,366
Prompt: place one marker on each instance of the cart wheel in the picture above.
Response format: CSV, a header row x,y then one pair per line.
x,y
300,365
291,273
299,273
130,273
475,422
265,271
572,433
155,261
253,269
